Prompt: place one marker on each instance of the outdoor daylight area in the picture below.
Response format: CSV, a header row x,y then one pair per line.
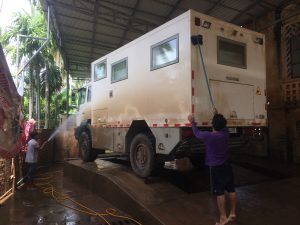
x,y
149,112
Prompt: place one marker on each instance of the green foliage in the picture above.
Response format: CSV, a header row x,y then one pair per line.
x,y
54,79
34,25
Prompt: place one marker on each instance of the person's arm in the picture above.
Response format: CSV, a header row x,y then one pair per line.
x,y
37,144
198,133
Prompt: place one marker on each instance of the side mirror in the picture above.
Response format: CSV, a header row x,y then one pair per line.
x,y
73,96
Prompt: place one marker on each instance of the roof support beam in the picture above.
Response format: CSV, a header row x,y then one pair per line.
x,y
169,4
80,63
130,8
94,28
213,7
122,39
121,16
88,44
228,7
90,31
115,26
256,2
175,6
79,56
80,50
85,40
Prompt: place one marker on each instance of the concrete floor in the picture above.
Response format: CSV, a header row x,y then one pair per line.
x,y
268,192
31,206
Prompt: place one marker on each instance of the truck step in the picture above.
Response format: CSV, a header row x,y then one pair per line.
x,y
111,155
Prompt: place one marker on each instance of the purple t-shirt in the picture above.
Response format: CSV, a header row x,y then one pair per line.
x,y
216,143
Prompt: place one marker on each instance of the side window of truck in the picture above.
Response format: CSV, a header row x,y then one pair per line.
x,y
100,70
81,99
89,94
119,70
165,52
231,53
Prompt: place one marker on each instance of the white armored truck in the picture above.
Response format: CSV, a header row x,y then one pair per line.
x,y
141,94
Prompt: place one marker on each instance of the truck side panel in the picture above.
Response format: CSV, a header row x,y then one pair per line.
x,y
161,96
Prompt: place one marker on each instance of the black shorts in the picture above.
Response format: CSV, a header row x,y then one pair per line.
x,y
221,179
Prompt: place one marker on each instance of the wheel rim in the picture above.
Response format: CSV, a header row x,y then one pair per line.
x,y
141,155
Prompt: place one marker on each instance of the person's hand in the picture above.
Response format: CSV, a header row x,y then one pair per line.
x,y
215,111
191,118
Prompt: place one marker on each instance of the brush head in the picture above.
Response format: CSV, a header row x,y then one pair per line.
x,y
197,40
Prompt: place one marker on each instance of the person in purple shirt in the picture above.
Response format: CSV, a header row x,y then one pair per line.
x,y
217,158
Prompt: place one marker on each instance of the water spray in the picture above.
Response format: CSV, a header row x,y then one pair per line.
x,y
61,128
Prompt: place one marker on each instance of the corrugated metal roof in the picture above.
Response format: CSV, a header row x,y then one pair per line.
x,y
89,29
8,92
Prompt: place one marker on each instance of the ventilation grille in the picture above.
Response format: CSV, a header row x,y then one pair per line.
x,y
292,94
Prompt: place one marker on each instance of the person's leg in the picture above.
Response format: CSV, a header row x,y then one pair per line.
x,y
217,184
31,171
222,209
231,193
233,202
29,175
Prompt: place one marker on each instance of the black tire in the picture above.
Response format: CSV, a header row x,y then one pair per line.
x,y
85,148
142,155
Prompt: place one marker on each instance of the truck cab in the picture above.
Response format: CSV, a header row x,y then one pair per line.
x,y
83,118
84,104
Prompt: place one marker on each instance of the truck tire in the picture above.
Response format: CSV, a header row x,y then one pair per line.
x,y
142,155
85,148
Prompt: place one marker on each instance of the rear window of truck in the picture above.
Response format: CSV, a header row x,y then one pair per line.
x,y
231,53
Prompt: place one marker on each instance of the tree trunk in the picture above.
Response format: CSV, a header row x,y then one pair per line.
x,y
38,94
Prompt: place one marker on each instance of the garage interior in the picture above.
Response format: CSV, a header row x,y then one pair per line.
x,y
267,173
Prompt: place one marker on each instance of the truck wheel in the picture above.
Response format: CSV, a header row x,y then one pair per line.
x,y
142,155
85,148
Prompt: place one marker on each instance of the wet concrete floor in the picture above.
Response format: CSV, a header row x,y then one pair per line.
x,y
30,206
268,192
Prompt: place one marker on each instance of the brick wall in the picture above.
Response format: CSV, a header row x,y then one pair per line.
x,y
282,115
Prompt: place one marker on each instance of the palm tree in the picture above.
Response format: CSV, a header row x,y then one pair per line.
x,y
29,25
35,26
51,83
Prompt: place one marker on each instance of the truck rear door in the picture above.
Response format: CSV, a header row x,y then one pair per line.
x,y
235,99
